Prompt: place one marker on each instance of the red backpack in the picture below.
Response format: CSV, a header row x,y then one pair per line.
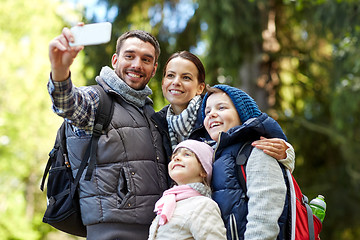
x,y
303,224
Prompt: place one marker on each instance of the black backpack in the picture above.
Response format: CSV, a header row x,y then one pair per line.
x,y
63,208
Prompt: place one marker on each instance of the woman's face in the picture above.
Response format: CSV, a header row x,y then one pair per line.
x,y
180,83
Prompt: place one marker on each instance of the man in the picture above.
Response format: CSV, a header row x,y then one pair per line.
x,y
130,172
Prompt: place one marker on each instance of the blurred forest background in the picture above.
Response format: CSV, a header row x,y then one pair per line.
x,y
299,59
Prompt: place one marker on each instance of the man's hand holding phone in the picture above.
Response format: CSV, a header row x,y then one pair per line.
x,y
64,48
91,34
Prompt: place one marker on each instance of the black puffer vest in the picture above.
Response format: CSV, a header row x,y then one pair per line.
x,y
131,171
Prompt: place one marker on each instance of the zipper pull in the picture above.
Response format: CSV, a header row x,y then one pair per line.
x,y
67,163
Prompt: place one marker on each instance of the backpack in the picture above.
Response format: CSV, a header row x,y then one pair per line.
x,y
63,208
303,225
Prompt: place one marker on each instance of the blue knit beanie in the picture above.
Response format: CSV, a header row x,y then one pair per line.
x,y
244,104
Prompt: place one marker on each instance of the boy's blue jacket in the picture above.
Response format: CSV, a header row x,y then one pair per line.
x,y
227,191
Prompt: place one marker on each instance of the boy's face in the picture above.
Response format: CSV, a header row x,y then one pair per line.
x,y
220,114
185,168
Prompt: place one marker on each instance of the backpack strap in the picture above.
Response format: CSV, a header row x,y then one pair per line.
x,y
309,217
60,145
102,120
295,195
241,160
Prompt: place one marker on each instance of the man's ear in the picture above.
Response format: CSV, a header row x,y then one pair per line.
x,y
154,71
114,60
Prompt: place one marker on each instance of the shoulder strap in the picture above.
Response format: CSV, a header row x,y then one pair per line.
x,y
104,111
309,218
60,145
296,197
241,160
102,120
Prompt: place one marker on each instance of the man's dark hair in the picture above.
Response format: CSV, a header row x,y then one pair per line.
x,y
142,35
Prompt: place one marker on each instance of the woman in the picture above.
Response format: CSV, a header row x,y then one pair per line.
x,y
182,85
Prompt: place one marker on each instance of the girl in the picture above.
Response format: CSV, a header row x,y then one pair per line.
x,y
186,211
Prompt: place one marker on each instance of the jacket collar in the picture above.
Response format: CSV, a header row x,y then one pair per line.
x,y
252,130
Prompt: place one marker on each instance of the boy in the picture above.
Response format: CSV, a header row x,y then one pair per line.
x,y
232,118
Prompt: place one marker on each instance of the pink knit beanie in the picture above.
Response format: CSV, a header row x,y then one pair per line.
x,y
203,152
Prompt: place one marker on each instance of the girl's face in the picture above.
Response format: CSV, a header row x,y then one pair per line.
x,y
185,168
180,83
220,114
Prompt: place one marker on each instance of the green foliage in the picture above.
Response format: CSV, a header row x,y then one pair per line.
x,y
306,70
233,35
320,92
27,124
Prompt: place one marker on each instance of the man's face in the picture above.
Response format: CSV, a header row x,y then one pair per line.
x,y
135,63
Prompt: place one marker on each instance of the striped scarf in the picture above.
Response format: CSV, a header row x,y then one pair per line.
x,y
180,126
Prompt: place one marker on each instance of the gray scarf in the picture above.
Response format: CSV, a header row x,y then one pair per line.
x,y
201,188
136,97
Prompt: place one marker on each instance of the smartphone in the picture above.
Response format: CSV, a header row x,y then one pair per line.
x,y
91,34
